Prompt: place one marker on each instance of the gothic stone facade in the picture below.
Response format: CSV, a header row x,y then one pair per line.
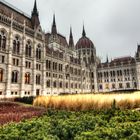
x,y
33,62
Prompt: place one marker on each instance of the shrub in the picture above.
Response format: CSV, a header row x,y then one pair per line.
x,y
83,125
26,100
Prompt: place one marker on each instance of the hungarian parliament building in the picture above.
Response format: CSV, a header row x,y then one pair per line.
x,y
33,62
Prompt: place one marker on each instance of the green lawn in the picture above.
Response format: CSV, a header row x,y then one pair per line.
x,y
83,125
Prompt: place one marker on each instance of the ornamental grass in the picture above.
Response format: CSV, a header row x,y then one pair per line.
x,y
82,102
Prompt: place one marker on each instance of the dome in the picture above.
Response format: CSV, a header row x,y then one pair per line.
x,y
84,42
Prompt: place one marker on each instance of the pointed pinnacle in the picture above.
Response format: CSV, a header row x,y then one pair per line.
x,y
84,33
35,6
71,36
54,23
35,11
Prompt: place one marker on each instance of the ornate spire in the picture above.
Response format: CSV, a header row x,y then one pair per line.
x,y
35,11
35,16
71,36
54,23
54,30
71,42
84,33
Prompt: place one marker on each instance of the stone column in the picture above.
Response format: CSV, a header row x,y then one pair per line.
x,y
43,70
95,80
138,74
64,71
123,78
51,70
22,92
109,80
34,69
103,81
9,60
116,80
82,80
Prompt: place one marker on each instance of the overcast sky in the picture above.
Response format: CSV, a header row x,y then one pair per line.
x,y
112,25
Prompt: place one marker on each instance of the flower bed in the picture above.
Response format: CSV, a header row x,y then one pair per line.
x,y
13,112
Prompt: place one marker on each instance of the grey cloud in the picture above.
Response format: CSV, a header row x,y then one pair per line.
x,y
113,25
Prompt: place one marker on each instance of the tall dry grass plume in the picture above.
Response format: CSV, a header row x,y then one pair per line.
x,y
89,101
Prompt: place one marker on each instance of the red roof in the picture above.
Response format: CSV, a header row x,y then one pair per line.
x,y
84,42
118,61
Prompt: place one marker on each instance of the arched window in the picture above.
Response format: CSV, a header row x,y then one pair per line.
x,y
114,73
60,84
120,73
71,85
3,40
67,86
135,85
111,73
100,87
127,71
16,45
38,52
28,49
1,75
54,84
27,78
113,86
38,79
127,85
120,85
14,77
48,83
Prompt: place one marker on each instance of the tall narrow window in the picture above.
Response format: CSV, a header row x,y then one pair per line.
x,y
28,49
60,84
3,40
38,52
4,43
38,79
16,45
54,84
1,75
27,78
14,77
48,83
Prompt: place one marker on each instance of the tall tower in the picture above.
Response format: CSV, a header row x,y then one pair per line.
x,y
87,52
35,16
